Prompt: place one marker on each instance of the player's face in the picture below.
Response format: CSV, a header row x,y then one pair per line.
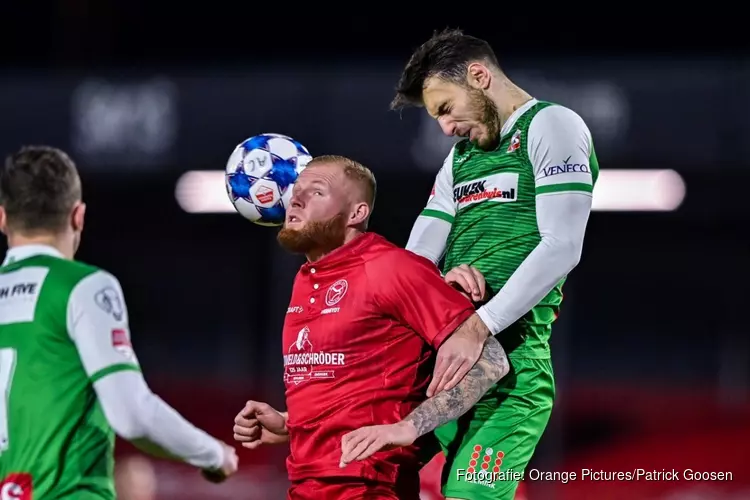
x,y
317,215
463,111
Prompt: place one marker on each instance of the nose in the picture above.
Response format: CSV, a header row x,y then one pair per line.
x,y
295,201
447,125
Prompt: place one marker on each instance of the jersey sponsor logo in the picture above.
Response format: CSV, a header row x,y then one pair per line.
x,y
566,168
109,301
16,486
484,467
515,142
295,310
302,362
501,187
19,294
121,343
432,193
18,290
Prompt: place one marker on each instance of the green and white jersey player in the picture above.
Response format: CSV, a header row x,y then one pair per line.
x,y
68,373
507,214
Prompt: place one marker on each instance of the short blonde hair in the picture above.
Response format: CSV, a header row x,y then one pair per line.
x,y
354,171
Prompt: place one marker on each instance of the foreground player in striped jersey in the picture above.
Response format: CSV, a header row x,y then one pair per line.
x,y
510,206
68,373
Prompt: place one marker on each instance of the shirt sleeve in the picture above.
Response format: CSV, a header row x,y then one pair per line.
x,y
559,148
410,289
430,231
98,325
143,418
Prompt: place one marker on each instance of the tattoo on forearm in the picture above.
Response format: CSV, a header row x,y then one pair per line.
x,y
449,405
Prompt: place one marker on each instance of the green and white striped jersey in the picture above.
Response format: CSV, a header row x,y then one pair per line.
x,y
517,213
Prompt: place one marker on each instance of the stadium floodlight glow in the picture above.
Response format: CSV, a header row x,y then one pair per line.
x,y
203,191
638,191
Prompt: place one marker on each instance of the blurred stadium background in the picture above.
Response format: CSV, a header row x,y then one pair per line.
x,y
652,352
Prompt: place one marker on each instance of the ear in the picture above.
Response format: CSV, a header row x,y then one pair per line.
x,y
77,216
359,214
3,221
479,76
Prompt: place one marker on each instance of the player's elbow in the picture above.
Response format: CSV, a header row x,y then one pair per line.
x,y
128,425
124,401
567,252
500,370
128,429
573,251
504,369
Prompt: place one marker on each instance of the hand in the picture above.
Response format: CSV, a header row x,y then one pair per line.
x,y
365,441
259,423
228,467
469,280
458,354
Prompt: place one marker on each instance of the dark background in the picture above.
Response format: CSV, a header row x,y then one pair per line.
x,y
651,351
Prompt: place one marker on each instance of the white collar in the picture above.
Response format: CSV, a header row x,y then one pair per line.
x,y
513,118
25,251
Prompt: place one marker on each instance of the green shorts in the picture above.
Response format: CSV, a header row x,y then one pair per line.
x,y
487,450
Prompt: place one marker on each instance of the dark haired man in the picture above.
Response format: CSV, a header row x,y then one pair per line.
x,y
68,372
510,206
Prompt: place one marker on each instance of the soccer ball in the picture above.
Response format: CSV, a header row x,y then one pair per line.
x,y
260,174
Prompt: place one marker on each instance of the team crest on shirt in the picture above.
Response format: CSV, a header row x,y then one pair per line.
x,y
334,294
303,362
515,142
17,486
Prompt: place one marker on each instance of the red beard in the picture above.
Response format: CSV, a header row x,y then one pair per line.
x,y
314,236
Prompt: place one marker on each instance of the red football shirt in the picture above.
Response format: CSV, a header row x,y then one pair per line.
x,y
360,335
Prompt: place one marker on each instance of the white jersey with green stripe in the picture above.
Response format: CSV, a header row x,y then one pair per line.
x,y
518,214
70,380
63,325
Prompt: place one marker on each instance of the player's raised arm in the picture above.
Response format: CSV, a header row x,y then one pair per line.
x,y
430,231
98,324
561,151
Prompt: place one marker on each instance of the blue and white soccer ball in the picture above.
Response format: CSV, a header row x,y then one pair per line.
x,y
260,175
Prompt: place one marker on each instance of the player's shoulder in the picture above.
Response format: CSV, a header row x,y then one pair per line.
x,y
552,116
62,272
385,258
85,277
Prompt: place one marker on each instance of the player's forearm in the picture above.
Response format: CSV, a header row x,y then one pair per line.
x,y
562,223
428,238
545,266
451,404
141,417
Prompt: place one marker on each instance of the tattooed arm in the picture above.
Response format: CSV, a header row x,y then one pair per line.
x,y
432,413
451,404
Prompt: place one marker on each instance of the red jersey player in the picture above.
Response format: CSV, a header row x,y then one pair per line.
x,y
360,335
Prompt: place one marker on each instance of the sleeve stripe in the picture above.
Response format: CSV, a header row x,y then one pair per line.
x,y
113,369
567,186
427,212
